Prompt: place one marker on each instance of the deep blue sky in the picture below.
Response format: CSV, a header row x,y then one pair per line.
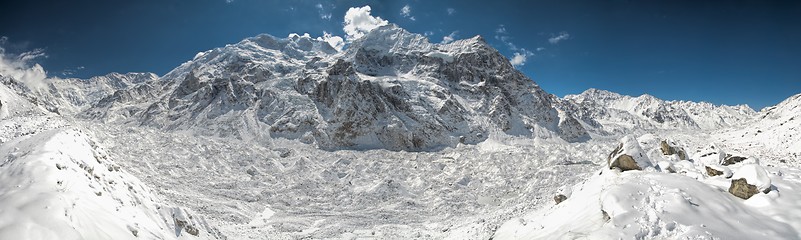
x,y
732,53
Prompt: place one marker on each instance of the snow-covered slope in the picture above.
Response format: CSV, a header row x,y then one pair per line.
x,y
776,131
390,89
13,101
612,112
684,200
58,184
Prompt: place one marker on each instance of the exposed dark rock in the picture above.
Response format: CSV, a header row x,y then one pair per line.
x,y
713,172
670,150
729,160
741,189
624,162
559,198
666,149
605,216
682,154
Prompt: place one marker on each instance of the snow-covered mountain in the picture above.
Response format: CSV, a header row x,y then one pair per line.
x,y
390,89
612,112
775,131
268,138
72,95
83,93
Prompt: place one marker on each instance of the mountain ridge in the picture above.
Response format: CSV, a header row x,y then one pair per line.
x,y
419,95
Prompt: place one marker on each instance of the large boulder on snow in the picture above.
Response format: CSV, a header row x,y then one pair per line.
x,y
666,148
749,180
628,156
559,198
670,150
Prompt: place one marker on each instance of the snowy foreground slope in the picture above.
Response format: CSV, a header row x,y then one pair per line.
x,y
393,138
683,200
58,183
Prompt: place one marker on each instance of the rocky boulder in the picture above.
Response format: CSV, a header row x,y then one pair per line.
x,y
749,180
666,149
628,156
714,170
741,189
670,150
559,198
729,159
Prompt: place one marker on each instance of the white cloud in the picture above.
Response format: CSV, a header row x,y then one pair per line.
x,y
229,1
428,33
450,37
21,68
519,59
558,38
451,11
335,41
406,12
321,11
69,72
503,35
501,29
359,21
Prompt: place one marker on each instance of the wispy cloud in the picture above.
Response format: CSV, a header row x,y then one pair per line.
x,y
555,39
325,15
501,29
71,71
450,37
450,11
520,54
359,21
406,12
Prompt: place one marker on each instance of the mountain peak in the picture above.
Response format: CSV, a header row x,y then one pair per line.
x,y
391,39
594,94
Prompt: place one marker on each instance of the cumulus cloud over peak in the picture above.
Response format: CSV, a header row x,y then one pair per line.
x,y
21,68
359,21
335,41
450,37
519,59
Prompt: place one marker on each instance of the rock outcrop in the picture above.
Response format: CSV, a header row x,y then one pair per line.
x,y
741,189
749,180
559,198
628,156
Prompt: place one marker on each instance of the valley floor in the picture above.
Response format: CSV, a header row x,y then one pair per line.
x,y
502,188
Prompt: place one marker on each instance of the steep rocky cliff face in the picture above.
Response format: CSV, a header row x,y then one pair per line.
x,y
390,89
